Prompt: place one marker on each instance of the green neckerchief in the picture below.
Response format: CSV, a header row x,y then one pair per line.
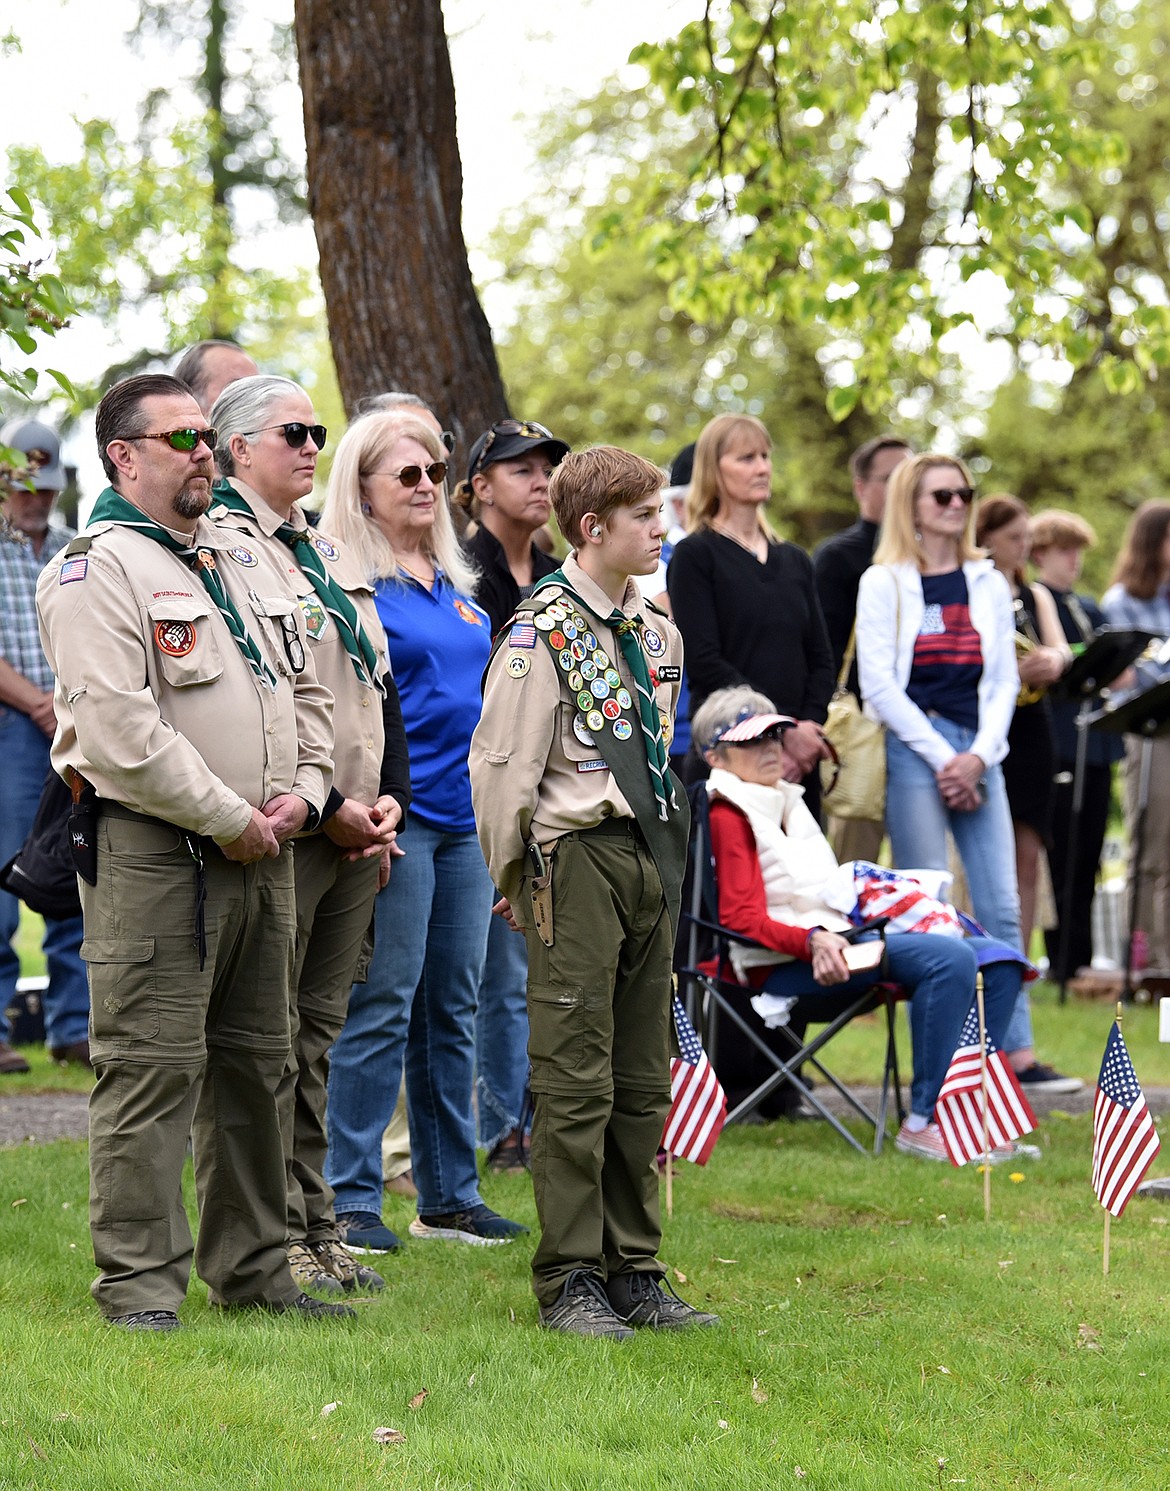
x,y
626,631
332,596
111,507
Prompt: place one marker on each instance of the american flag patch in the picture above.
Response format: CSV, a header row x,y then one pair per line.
x,y
523,634
72,569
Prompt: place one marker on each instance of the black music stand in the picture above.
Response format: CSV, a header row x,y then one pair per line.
x,y
1146,715
1106,657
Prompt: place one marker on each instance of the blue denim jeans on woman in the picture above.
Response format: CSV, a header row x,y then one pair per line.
x,y
939,974
501,1034
418,1003
917,821
24,751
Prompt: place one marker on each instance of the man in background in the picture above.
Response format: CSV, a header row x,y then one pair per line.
x,y
28,540
208,367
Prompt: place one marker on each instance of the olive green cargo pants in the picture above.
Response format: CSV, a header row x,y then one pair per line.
x,y
173,1045
599,1043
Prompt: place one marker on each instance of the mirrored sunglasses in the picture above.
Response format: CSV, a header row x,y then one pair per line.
x,y
185,440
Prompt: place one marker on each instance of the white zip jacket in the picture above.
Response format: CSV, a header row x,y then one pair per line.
x,y
889,617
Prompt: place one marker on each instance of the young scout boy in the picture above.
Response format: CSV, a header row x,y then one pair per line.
x,y
585,834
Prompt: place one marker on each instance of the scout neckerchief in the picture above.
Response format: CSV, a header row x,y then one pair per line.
x,y
626,631
332,596
111,507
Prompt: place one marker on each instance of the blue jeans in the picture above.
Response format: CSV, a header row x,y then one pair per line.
x,y
24,754
417,1006
938,973
917,821
501,1034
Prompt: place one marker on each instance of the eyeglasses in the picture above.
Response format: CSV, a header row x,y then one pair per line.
x,y
944,496
410,476
530,431
180,439
448,439
296,433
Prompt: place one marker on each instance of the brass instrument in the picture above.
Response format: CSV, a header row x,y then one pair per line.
x,y
1030,693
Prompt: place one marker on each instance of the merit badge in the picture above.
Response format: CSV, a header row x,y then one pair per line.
x,y
556,638
243,556
175,638
569,629
597,765
612,678
579,621
518,664
316,617
601,657
588,670
566,660
624,699
584,700
575,681
622,729
466,612
578,651
654,644
595,720
323,546
72,569
611,709
589,640
581,730
599,688
557,612
546,622
523,634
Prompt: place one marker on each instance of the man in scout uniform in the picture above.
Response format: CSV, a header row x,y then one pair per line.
x,y
585,834
340,867
197,740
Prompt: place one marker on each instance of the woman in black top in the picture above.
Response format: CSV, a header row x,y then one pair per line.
x,y
745,600
1029,771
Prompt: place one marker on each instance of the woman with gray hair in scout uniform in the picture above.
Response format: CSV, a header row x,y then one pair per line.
x,y
506,500
387,501
267,455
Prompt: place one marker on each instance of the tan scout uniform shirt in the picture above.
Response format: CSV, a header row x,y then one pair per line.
x,y
156,704
537,769
357,710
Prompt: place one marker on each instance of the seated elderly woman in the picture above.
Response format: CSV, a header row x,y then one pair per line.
x,y
772,862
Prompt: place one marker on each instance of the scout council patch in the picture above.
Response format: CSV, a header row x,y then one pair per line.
x,y
243,556
654,644
323,546
316,617
175,638
517,664
72,570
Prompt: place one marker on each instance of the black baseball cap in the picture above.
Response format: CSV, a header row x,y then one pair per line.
x,y
509,438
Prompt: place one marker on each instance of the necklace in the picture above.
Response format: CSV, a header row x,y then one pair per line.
x,y
426,581
753,548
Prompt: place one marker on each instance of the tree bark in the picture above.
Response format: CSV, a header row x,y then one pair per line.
x,y
385,193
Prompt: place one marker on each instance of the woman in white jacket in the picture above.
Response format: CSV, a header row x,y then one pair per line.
x,y
937,666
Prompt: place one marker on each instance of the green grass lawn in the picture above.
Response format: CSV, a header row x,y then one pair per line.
x,y
877,1333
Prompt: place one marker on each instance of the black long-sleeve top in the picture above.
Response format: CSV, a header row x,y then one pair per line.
x,y
496,590
394,778
747,622
838,565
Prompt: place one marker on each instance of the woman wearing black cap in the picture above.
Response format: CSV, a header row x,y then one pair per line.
x,y
506,498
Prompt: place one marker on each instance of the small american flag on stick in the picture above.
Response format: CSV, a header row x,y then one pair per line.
x,y
698,1104
959,1110
1124,1138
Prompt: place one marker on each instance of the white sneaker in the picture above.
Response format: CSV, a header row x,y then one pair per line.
x,y
926,1144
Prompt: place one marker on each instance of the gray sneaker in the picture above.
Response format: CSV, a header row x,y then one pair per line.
x,y
147,1320
311,1272
583,1310
344,1268
640,1299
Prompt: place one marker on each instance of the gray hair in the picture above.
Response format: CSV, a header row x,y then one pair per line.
x,y
724,708
242,409
390,402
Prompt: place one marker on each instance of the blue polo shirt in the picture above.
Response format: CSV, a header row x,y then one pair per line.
x,y
439,643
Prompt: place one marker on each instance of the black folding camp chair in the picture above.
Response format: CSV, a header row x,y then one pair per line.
x,y
716,1000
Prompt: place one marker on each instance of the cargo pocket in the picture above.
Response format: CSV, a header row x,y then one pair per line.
x,y
123,996
184,641
556,1032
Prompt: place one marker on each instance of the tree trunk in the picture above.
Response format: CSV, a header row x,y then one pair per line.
x,y
385,192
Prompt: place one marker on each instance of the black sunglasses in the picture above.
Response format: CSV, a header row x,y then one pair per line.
x,y
180,439
296,433
529,429
944,495
410,476
448,439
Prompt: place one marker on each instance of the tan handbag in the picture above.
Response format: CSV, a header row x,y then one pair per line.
x,y
853,782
